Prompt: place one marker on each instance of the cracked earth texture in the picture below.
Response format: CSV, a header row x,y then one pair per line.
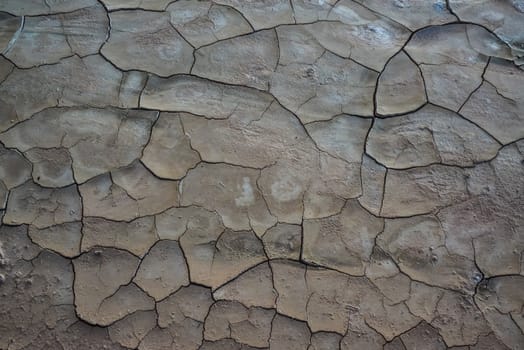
x,y
269,174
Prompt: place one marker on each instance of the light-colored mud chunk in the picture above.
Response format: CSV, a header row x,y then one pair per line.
x,y
250,326
373,177
325,88
421,190
14,168
423,336
215,257
252,288
324,341
163,270
418,245
290,283
232,61
136,236
188,302
283,241
111,268
204,22
307,11
414,14
51,167
361,336
500,300
400,93
365,36
146,41
344,241
47,39
98,140
423,300
498,105
41,7
232,192
343,136
458,319
202,97
157,5
71,82
127,194
264,13
42,207
505,19
451,67
430,135
169,153
130,330
289,334
64,238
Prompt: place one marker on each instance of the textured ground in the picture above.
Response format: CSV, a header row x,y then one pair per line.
x,y
270,174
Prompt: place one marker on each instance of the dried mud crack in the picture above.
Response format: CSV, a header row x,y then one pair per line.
x,y
273,174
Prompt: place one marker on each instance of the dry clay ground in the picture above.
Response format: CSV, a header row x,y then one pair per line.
x,y
269,174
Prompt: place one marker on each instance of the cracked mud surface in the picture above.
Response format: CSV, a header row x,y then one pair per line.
x,y
272,174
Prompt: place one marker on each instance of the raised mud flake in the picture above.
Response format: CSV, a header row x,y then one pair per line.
x,y
130,330
163,270
498,105
215,257
127,194
343,136
422,190
343,242
458,319
361,336
400,93
366,37
202,97
42,207
136,236
64,238
414,14
42,7
283,241
169,153
188,302
175,222
307,11
500,300
146,41
289,278
418,245
48,39
324,341
51,167
246,60
323,89
263,14
232,192
505,19
98,140
423,300
73,81
15,169
373,177
110,269
252,288
451,66
10,28
430,135
157,5
423,336
289,334
251,326
204,22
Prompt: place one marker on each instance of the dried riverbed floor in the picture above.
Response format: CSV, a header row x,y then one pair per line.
x,y
273,174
